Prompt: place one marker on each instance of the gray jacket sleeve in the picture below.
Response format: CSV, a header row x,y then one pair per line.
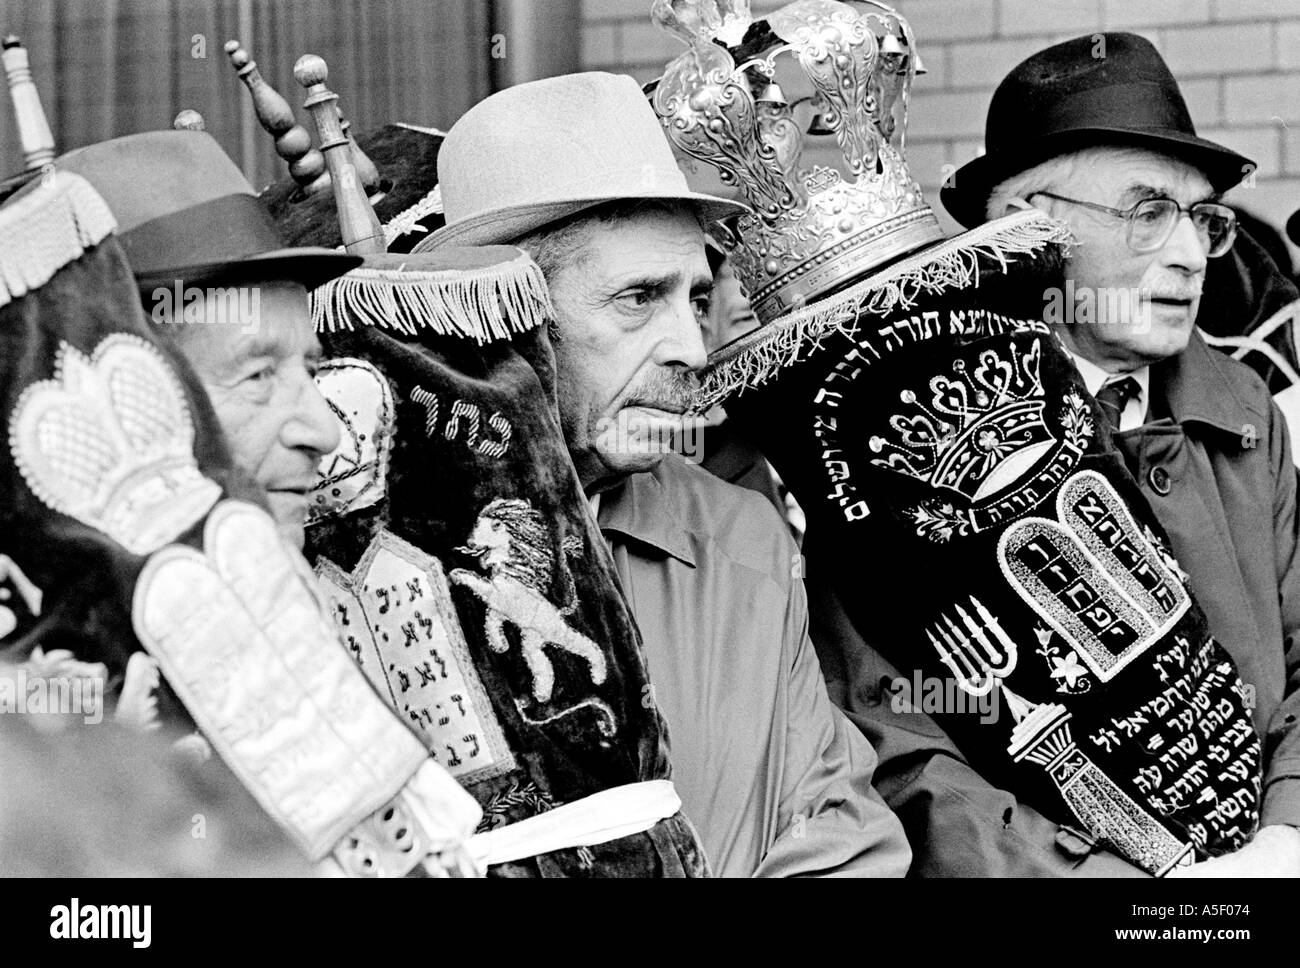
x,y
832,821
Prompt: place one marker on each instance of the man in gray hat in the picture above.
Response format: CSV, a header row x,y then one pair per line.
x,y
1096,132
577,171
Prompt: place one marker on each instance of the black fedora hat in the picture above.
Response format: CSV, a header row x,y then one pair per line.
x,y
186,212
1100,89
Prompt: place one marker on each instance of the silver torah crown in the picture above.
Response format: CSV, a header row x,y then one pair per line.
x,y
814,227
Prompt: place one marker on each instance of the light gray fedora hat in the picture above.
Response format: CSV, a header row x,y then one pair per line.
x,y
539,152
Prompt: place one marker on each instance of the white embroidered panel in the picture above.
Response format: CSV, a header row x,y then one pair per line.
x,y
243,641
395,615
108,440
1074,594
1044,737
1092,509
1098,582
355,474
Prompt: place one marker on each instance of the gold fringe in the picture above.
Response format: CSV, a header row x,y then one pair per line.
x,y
487,304
756,357
45,229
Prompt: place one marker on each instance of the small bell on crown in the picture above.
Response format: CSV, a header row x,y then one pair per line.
x,y
820,124
772,94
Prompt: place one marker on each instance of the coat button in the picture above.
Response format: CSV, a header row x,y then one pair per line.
x,y
1159,478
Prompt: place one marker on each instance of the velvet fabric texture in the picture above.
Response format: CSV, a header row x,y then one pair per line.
x,y
480,489
474,440
86,578
975,518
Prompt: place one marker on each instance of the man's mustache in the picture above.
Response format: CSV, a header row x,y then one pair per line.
x,y
673,392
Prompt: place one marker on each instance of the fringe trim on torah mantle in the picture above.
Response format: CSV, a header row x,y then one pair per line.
x,y
755,358
485,304
44,230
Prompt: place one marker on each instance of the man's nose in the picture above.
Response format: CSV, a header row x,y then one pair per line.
x,y
312,425
683,343
1184,250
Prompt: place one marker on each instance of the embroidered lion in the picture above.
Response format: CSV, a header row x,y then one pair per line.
x,y
514,545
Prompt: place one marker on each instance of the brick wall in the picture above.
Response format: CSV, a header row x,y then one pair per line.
x,y
1237,61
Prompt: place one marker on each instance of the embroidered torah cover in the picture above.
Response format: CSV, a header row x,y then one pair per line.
x,y
73,527
983,531
123,525
466,576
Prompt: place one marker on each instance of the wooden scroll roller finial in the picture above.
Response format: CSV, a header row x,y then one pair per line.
x,y
359,226
292,141
33,130
189,120
366,169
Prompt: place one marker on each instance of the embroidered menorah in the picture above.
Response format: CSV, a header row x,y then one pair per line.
x,y
977,653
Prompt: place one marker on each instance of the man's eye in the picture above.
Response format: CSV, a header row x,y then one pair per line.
x,y
701,304
264,374
1153,211
636,298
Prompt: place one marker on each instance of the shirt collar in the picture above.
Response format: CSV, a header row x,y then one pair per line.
x,y
1193,384
1094,377
641,509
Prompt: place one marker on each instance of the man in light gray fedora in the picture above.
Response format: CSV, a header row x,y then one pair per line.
x,y
576,170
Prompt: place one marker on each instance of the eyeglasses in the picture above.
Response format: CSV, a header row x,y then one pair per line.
x,y
1152,221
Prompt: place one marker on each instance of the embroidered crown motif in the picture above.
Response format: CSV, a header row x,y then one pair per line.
x,y
108,441
815,74
978,432
354,475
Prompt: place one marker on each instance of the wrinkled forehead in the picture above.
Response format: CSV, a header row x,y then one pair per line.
x,y
1122,176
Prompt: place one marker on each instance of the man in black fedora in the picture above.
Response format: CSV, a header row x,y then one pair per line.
x,y
1095,131
212,270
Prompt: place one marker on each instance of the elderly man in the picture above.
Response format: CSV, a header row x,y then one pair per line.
x,y
230,297
1095,131
576,170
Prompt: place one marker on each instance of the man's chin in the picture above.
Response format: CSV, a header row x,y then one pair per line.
x,y
289,509
631,460
1168,335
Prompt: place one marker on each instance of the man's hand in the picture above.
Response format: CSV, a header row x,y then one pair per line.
x,y
1274,852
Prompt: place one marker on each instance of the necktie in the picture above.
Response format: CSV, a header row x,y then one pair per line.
x,y
1114,396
